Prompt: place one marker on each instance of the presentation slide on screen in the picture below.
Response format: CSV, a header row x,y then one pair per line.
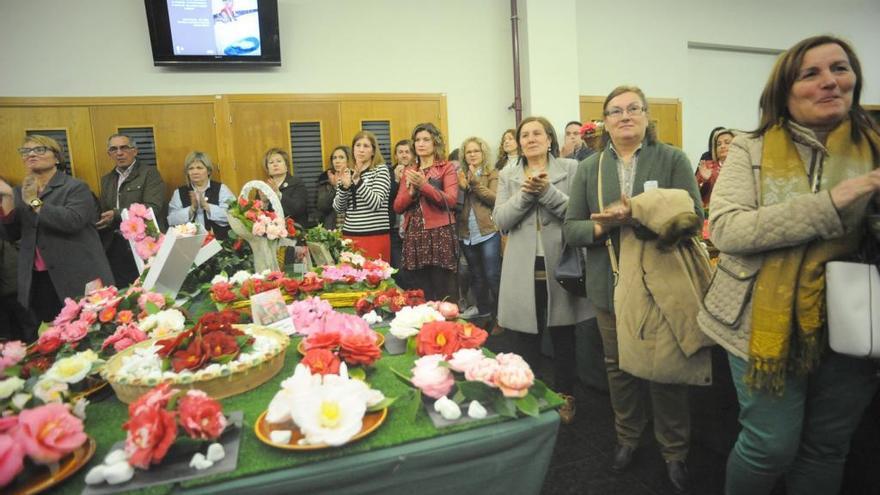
x,y
215,27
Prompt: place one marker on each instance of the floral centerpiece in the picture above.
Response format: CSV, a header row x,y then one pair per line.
x,y
389,301
345,336
215,355
42,435
260,226
328,408
330,239
236,290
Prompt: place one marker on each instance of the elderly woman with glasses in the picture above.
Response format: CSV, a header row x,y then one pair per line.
x,y
631,163
53,215
201,200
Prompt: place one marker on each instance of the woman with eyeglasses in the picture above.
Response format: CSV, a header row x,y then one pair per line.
x,y
201,200
54,216
632,162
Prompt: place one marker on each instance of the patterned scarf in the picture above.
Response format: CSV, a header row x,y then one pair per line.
x,y
788,309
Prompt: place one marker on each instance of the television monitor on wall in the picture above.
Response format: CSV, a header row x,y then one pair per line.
x,y
214,32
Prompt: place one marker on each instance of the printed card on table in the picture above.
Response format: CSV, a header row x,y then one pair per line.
x,y
269,309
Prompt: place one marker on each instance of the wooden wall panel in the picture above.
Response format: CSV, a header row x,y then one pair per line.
x,y
403,115
16,120
178,129
665,113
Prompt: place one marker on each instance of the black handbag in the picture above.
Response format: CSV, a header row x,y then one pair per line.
x,y
570,270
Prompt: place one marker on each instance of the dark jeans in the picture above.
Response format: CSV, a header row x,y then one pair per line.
x,y
122,261
562,337
438,283
45,303
484,263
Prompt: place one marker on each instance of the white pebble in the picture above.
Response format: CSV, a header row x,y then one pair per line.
x,y
199,462
215,453
476,410
280,436
95,475
119,472
115,456
448,409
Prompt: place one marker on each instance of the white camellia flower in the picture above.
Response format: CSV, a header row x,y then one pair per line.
x,y
329,415
10,386
79,408
220,277
49,390
20,400
72,369
240,277
163,324
409,320
143,361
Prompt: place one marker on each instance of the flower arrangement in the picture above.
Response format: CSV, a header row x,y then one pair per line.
x,y
344,276
259,221
592,128
447,337
308,314
141,229
389,301
505,382
242,285
211,340
348,336
43,435
327,408
331,239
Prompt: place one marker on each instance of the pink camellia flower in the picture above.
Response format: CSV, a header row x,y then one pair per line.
x,y
68,313
514,379
156,398
201,416
90,317
482,371
11,459
259,229
74,331
349,325
447,309
11,353
139,210
124,337
7,423
153,297
147,247
504,358
133,229
308,314
48,433
463,359
432,379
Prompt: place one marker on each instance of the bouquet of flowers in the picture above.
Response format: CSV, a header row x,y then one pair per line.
x,y
43,435
504,382
327,407
346,277
211,340
389,301
260,221
141,229
346,336
331,239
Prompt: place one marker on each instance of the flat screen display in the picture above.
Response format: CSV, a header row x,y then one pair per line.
x,y
214,31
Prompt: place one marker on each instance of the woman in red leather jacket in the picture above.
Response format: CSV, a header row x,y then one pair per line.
x,y
426,198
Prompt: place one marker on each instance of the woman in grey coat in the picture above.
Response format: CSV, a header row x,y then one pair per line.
x,y
54,216
530,206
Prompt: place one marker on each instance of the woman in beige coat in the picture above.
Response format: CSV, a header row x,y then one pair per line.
x,y
530,205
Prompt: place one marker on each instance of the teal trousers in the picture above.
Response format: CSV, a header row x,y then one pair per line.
x,y
804,434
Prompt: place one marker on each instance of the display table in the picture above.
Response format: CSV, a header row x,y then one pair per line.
x,y
407,454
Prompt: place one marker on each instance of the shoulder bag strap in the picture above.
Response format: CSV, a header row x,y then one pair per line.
x,y
610,245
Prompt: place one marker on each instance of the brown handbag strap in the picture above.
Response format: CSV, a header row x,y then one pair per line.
x,y
610,245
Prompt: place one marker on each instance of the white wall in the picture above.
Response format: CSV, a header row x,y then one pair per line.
x,y
102,48
646,44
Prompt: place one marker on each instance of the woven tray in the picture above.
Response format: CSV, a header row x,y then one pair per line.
x,y
219,387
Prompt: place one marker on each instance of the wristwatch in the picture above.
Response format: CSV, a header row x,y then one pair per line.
x,y
36,203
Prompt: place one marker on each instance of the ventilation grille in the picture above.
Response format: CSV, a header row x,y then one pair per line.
x,y
59,135
146,143
382,130
306,158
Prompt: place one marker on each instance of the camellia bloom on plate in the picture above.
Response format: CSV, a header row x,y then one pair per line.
x,y
348,336
447,337
242,285
389,301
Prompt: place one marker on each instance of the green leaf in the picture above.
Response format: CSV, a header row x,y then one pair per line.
x,y
478,391
404,378
411,346
528,405
458,397
151,308
504,406
357,374
12,371
43,326
539,390
382,405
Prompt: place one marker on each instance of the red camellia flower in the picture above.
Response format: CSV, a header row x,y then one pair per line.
x,y
222,292
243,202
35,366
291,228
191,358
373,280
321,361
290,285
107,315
219,346
157,398
326,339
201,416
237,245
150,434
438,337
49,342
167,346
471,336
363,306
208,237
359,349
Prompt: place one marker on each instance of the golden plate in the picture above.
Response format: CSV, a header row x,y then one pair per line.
x,y
371,421
301,347
69,465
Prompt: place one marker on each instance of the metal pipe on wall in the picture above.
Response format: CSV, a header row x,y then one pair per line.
x,y
517,90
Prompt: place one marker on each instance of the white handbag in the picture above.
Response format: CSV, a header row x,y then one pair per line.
x,y
852,296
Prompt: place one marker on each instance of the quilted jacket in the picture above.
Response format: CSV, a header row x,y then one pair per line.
x,y
743,231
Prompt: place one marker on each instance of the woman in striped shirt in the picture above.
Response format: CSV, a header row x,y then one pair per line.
x,y
362,196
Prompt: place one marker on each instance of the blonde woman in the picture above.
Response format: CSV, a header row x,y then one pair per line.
x,y
480,240
201,200
362,195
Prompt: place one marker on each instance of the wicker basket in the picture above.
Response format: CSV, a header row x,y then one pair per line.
x,y
224,385
342,299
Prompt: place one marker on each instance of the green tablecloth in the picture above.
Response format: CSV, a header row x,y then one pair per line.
x,y
406,454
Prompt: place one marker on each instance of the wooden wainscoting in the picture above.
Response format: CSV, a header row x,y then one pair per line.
x,y
665,113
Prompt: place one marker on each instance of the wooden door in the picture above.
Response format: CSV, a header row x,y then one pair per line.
x,y
178,129
664,113
17,121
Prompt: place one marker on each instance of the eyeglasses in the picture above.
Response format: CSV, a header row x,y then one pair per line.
x,y
37,150
114,149
617,112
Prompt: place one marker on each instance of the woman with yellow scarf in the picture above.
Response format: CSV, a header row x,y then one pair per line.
x,y
793,195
